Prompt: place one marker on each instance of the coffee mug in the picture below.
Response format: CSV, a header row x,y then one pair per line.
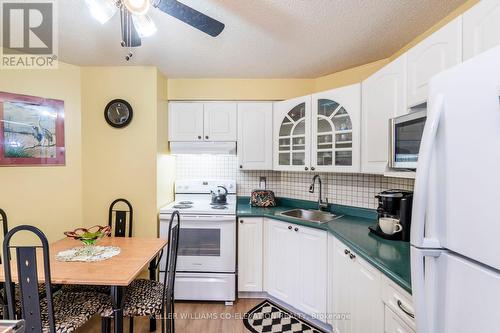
x,y
389,225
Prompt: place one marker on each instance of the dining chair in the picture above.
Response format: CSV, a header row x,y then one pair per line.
x,y
3,299
154,298
120,217
57,311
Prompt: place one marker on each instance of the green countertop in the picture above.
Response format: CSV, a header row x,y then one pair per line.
x,y
391,257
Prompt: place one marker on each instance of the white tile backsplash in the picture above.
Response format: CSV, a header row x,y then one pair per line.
x,y
340,188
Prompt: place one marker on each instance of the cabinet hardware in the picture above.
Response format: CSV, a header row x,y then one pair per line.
x,y
346,251
313,168
199,137
296,229
241,221
206,137
352,256
306,168
406,311
290,227
241,166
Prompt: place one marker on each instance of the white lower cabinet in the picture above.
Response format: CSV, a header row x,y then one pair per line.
x,y
394,324
356,298
296,266
250,245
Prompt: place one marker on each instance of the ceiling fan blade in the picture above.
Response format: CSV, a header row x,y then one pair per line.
x,y
130,36
191,16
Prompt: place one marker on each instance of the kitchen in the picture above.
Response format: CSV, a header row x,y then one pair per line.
x,y
336,169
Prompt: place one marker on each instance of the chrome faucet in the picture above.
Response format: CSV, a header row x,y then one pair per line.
x,y
322,205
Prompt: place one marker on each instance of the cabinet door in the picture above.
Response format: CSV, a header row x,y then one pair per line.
x,y
367,308
220,121
281,260
342,288
336,129
185,121
255,136
394,324
250,254
312,272
384,97
440,51
292,134
481,28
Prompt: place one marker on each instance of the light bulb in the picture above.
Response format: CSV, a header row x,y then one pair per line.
x,y
144,25
102,10
137,7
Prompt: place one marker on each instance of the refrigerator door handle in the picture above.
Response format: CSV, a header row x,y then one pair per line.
x,y
420,302
422,180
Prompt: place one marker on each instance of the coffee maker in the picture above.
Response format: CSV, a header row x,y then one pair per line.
x,y
395,204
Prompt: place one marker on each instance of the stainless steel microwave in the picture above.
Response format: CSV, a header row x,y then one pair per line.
x,y
405,137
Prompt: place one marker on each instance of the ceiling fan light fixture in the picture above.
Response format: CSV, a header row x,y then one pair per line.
x,y
137,7
102,10
144,25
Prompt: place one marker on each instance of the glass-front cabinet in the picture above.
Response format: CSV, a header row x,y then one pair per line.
x,y
335,127
292,137
319,132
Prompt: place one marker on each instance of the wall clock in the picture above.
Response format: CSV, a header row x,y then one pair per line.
x,y
118,113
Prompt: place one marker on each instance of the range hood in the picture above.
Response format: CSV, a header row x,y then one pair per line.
x,y
205,147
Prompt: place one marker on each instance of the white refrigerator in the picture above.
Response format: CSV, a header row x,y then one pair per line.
x,y
455,236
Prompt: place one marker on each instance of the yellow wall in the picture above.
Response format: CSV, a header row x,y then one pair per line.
x,y
47,197
120,162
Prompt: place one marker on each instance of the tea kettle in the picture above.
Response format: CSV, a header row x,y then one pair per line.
x,y
219,198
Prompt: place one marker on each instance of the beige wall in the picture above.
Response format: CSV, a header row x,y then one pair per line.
x,y
120,162
47,197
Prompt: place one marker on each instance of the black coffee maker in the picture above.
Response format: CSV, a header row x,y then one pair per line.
x,y
395,204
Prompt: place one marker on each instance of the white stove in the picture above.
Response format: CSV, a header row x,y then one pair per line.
x,y
206,262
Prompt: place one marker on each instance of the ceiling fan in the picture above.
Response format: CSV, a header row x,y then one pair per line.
x,y
137,24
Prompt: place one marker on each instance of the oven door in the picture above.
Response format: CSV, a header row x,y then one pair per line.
x,y
206,244
406,135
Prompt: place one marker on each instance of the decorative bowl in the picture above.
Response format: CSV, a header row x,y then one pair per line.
x,y
89,236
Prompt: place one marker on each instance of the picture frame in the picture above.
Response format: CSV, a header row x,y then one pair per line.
x,y
31,131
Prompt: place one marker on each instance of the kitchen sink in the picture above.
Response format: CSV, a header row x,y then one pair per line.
x,y
316,216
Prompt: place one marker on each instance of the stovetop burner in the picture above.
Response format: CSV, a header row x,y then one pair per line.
x,y
182,206
218,204
185,202
219,207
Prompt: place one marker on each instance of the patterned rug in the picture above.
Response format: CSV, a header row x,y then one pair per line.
x,y
269,317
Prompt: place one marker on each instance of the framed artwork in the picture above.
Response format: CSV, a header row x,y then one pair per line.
x,y
31,130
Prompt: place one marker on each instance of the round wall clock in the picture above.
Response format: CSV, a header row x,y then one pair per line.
x,y
118,113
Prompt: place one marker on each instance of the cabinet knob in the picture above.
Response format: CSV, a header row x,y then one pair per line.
x,y
296,229
352,256
346,251
306,168
206,137
313,168
199,137
241,166
241,221
289,227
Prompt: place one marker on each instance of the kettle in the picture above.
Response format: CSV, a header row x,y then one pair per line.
x,y
219,198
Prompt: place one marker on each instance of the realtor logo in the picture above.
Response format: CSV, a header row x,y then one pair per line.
x,y
28,34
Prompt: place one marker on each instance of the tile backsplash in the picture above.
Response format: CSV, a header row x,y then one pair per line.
x,y
340,188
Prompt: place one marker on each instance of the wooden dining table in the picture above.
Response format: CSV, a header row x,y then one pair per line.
x,y
117,272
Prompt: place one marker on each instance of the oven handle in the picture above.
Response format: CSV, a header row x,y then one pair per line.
x,y
207,218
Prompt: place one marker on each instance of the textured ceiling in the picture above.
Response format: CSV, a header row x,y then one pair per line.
x,y
262,38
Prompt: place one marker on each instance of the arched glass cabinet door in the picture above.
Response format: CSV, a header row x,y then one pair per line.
x,y
292,137
334,141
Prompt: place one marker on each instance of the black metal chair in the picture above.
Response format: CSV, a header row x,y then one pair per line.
x,y
120,218
5,229
57,312
153,298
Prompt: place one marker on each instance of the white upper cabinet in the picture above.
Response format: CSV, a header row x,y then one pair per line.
x,y
438,52
220,121
384,97
292,134
197,121
481,28
255,136
185,121
336,116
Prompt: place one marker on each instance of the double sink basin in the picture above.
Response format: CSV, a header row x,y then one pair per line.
x,y
310,215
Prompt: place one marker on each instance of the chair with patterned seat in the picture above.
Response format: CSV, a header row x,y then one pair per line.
x,y
153,298
56,312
